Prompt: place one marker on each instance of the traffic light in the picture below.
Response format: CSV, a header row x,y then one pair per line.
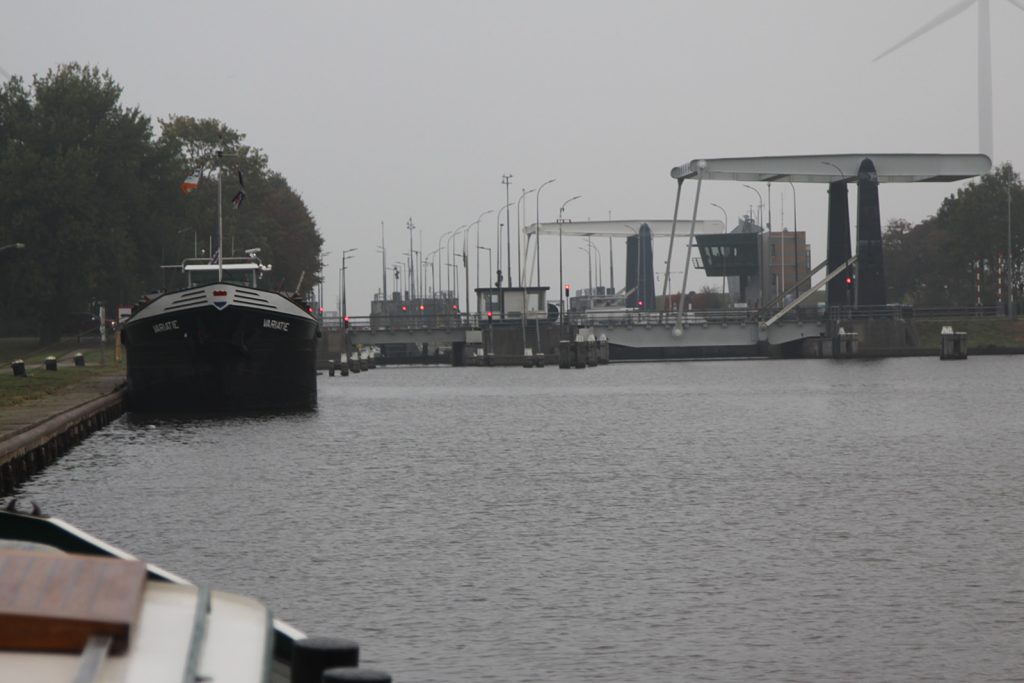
x,y
422,307
345,320
640,303
567,291
849,281
321,312
404,309
490,316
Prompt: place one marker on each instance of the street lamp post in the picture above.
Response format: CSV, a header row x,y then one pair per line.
x,y
449,249
725,215
497,246
546,182
477,224
760,203
465,267
412,257
406,285
590,272
593,254
439,247
507,179
490,266
345,257
764,257
430,259
519,231
561,264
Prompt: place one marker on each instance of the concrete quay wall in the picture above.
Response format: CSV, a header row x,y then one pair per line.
x,y
26,452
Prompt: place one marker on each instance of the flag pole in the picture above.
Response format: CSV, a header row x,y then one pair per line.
x,y
220,224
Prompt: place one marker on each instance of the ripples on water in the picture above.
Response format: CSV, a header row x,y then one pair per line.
x,y
729,520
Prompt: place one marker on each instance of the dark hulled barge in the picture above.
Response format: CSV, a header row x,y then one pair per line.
x,y
221,344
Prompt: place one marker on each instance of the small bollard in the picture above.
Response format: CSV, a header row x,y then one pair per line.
x,y
79,360
355,676
330,368
51,363
312,656
18,367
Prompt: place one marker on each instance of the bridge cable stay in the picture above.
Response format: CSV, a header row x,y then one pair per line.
x,y
800,299
781,297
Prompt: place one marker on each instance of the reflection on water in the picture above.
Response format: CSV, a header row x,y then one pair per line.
x,y
729,520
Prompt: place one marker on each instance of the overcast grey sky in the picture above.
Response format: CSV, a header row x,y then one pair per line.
x,y
382,111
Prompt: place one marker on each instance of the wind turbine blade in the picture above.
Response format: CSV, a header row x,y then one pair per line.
x,y
940,19
1018,3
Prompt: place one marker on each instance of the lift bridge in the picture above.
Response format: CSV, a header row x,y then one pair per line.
x,y
853,281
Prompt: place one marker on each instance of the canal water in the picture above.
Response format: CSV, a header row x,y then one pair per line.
x,y
717,520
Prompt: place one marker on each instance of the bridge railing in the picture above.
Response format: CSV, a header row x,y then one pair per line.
x,y
404,321
644,318
898,312
614,318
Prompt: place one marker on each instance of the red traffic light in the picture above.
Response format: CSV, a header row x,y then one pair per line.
x,y
455,307
849,280
640,303
404,308
490,315
345,318
422,307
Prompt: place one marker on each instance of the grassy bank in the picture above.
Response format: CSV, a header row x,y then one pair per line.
x,y
982,333
41,382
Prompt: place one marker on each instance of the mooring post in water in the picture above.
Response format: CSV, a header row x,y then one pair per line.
x,y
564,354
954,344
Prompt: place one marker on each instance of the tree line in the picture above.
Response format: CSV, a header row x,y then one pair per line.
x,y
94,194
936,263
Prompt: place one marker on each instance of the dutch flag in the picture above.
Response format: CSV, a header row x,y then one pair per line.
x,y
190,183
